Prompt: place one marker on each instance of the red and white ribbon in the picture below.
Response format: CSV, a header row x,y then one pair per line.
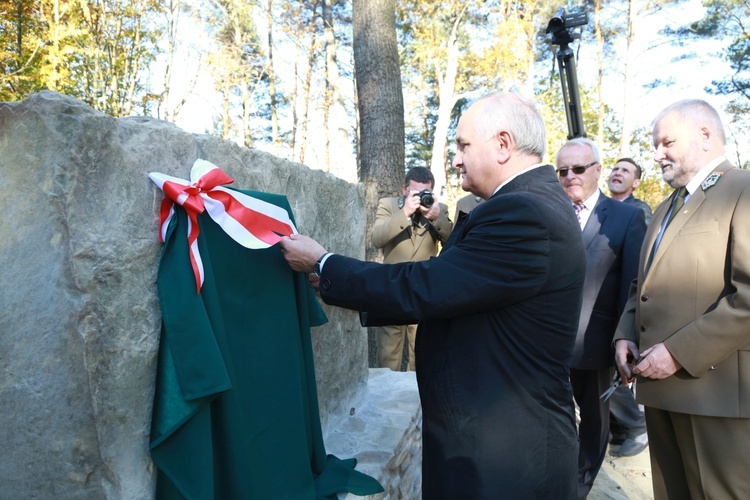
x,y
251,222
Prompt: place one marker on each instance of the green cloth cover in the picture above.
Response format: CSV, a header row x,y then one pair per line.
x,y
235,410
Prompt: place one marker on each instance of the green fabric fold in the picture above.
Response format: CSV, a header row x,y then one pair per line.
x,y
235,409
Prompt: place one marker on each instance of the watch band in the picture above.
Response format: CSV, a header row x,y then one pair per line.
x,y
316,267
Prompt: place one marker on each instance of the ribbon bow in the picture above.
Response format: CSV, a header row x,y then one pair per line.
x,y
251,222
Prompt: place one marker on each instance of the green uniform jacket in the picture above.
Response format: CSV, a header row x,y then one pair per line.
x,y
235,410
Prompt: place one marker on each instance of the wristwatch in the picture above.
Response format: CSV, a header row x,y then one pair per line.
x,y
316,267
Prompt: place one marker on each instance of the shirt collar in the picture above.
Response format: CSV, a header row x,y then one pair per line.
x,y
590,202
527,169
698,178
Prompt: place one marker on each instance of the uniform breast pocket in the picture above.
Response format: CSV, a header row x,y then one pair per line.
x,y
703,227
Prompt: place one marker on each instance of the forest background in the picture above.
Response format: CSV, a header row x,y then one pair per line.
x,y
366,89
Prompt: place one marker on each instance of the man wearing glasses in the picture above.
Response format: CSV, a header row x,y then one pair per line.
x,y
612,235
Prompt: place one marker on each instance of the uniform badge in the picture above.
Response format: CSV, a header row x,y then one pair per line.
x,y
401,202
710,180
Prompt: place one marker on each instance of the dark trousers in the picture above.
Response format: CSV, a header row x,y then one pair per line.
x,y
626,420
593,431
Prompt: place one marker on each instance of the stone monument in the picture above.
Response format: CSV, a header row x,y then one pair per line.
x,y
79,316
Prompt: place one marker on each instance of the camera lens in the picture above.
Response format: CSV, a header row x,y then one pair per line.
x,y
426,199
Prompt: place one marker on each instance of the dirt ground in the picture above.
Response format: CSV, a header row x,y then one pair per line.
x,y
623,478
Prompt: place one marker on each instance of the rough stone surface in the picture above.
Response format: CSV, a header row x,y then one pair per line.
x,y
79,317
383,431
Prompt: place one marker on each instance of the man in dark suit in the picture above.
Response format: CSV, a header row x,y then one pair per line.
x,y
690,314
497,313
612,234
627,423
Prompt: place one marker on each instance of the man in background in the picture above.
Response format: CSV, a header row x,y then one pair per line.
x,y
627,421
408,228
612,235
685,332
466,205
492,371
623,179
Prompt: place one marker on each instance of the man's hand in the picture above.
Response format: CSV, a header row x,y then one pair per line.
x,y
432,212
626,356
314,282
657,363
411,203
301,252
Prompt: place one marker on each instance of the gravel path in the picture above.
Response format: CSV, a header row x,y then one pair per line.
x,y
624,478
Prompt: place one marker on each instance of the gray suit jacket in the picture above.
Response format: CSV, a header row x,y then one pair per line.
x,y
695,297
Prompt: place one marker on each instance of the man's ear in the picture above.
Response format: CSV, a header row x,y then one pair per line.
x,y
636,183
706,138
505,144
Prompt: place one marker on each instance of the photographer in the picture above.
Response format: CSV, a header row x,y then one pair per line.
x,y
408,228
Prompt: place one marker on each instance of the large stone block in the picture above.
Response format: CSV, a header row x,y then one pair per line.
x,y
79,316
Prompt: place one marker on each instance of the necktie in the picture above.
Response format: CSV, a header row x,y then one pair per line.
x,y
678,203
578,207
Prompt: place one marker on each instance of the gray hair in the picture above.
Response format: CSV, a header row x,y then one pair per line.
x,y
518,115
582,141
696,112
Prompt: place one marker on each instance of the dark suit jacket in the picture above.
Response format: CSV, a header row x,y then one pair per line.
x,y
498,311
695,297
632,200
613,236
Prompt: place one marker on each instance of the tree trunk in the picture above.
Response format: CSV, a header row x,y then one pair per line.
x,y
339,157
329,44
381,104
630,57
447,99
226,120
600,72
272,83
173,12
308,81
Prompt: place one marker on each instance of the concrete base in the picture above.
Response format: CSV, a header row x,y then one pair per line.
x,y
383,431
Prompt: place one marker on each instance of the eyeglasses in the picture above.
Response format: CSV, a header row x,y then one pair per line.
x,y
578,169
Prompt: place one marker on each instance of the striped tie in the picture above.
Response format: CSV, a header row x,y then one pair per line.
x,y
578,207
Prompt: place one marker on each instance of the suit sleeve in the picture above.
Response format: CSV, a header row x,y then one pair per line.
x,y
724,328
503,259
626,326
388,223
646,211
631,252
443,224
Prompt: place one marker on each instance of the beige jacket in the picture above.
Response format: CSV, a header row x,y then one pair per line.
x,y
695,297
400,240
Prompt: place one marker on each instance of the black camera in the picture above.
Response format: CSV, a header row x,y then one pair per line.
x,y
562,21
425,198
